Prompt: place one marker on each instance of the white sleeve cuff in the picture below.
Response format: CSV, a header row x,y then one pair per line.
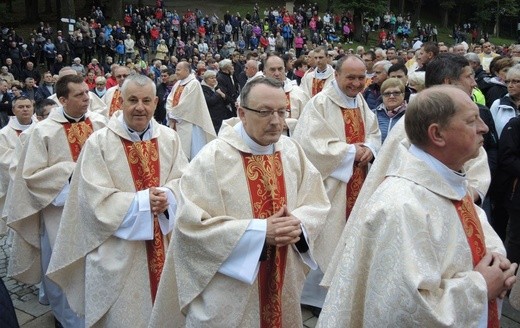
x,y
165,223
345,169
243,263
61,198
138,221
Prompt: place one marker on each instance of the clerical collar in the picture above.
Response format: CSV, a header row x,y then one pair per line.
x,y
321,74
186,80
72,119
349,102
256,149
136,135
18,126
457,180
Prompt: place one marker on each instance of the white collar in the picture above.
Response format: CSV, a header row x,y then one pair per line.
x,y
455,179
135,135
349,102
256,149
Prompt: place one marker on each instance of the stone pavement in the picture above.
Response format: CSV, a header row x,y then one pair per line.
x,y
31,314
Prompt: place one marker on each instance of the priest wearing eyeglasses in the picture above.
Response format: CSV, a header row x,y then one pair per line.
x,y
243,246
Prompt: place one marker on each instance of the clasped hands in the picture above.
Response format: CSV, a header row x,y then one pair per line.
x,y
158,201
363,155
499,274
283,228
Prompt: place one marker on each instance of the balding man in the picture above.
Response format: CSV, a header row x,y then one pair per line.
x,y
112,97
340,135
372,93
439,278
296,99
188,113
250,72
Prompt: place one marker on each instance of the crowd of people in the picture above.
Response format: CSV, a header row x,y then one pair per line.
x,y
188,170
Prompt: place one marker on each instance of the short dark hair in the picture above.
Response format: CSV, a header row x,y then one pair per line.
x,y
40,105
398,67
431,47
62,86
444,66
246,90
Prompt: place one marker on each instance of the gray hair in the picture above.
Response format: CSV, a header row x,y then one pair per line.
x,y
140,80
513,72
207,74
472,57
224,63
384,63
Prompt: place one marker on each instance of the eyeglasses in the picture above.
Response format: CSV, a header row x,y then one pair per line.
x,y
513,82
124,76
267,113
100,83
392,94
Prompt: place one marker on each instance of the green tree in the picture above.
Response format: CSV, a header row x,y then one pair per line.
x,y
31,10
490,13
362,9
446,6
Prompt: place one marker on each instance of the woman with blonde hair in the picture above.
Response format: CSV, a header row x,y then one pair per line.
x,y
393,106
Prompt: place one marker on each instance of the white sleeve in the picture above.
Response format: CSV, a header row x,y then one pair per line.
x,y
138,221
198,140
61,198
167,223
243,263
344,170
306,257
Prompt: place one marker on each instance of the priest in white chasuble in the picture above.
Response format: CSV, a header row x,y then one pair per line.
x,y
242,247
429,259
22,120
188,112
340,135
41,187
116,225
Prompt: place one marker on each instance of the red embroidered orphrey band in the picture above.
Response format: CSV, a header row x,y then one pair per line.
x,y
266,184
77,134
475,236
354,133
143,160
317,85
116,102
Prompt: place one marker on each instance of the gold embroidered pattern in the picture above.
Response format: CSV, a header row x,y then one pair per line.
x,y
475,236
77,135
267,193
354,133
143,159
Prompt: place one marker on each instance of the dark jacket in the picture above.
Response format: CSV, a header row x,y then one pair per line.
x,y
217,106
508,175
372,96
225,82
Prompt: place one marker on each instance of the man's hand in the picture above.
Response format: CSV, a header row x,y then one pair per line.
x,y
498,280
282,228
158,201
363,155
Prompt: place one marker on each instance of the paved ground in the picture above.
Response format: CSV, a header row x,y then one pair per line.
x,y
31,314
